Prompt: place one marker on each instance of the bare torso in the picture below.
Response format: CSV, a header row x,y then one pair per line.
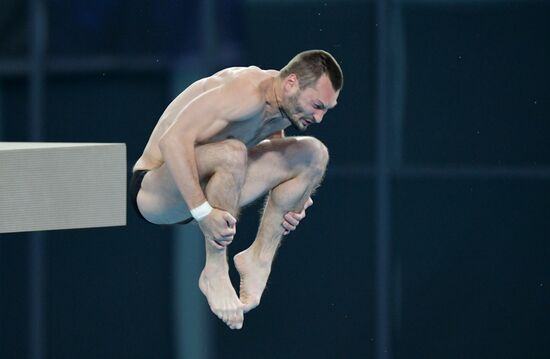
x,y
254,129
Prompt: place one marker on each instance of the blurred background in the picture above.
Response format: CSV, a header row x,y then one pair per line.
x,y
428,239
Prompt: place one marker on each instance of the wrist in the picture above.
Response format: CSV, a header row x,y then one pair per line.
x,y
201,211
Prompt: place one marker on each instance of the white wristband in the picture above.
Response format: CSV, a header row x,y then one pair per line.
x,y
201,211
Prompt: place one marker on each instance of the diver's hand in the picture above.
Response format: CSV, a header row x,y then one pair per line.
x,y
292,219
219,227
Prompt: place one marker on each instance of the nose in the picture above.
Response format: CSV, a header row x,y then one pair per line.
x,y
318,116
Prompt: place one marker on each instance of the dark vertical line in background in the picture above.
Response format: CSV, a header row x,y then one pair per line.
x,y
396,105
382,188
193,336
36,296
37,19
209,30
37,49
398,81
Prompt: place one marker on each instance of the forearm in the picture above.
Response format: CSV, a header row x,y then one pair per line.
x,y
179,156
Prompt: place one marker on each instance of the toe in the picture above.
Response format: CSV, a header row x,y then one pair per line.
x,y
237,319
240,319
217,312
225,318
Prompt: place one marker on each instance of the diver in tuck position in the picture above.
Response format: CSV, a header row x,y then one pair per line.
x,y
219,146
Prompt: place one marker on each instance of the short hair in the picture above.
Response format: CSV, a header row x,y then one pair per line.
x,y
310,65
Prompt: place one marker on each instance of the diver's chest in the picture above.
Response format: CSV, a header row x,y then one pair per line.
x,y
251,132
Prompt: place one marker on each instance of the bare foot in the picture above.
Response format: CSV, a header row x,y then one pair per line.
x,y
222,299
254,274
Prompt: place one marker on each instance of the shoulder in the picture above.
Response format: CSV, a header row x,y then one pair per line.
x,y
245,90
248,78
236,93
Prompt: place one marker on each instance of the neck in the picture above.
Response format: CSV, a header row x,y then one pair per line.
x,y
275,85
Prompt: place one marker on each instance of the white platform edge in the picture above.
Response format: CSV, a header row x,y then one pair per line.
x,y
51,186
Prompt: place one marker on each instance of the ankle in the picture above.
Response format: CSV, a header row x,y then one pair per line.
x,y
214,272
216,265
261,256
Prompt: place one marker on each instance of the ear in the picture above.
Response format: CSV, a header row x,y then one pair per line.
x,y
291,84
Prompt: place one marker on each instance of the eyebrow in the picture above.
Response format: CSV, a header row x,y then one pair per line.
x,y
319,102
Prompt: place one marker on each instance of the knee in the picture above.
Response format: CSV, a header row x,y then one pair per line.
x,y
315,154
234,155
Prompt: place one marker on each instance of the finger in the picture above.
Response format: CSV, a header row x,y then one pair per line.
x,y
286,232
217,244
294,214
228,232
231,221
227,243
225,238
288,226
308,203
291,219
299,216
223,243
